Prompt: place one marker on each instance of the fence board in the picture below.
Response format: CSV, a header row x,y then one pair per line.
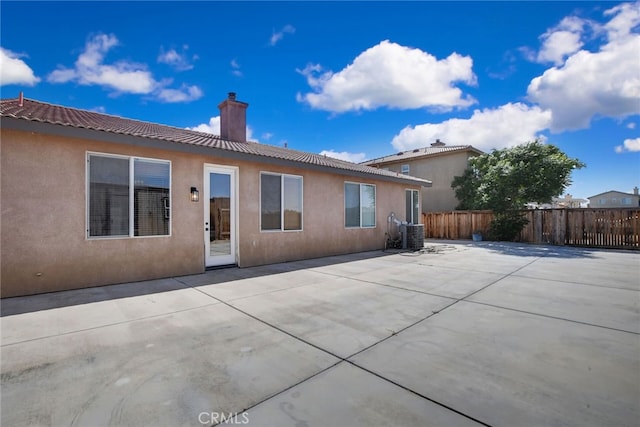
x,y
605,228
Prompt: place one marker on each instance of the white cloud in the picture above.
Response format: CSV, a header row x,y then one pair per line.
x,y
591,84
14,70
178,60
631,125
506,126
121,76
235,68
631,145
213,128
184,94
394,76
561,41
344,155
276,36
625,18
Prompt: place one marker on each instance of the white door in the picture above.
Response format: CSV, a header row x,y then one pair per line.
x,y
220,215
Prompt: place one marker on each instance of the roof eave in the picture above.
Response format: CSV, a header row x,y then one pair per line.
x,y
163,144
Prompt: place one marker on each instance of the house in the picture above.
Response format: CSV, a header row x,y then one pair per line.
x,y
90,199
566,202
615,199
439,163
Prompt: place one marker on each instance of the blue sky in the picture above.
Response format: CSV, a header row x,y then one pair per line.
x,y
356,80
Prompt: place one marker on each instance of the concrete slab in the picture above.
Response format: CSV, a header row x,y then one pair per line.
x,y
150,299
261,284
342,316
163,371
510,368
488,257
602,268
348,396
442,281
551,339
601,306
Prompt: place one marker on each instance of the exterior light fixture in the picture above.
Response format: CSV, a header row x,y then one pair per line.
x,y
195,195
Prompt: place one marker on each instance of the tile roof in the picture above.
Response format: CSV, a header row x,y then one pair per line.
x,y
421,152
36,111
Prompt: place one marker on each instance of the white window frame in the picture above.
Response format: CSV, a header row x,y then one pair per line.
x,y
282,210
412,191
375,205
405,169
131,160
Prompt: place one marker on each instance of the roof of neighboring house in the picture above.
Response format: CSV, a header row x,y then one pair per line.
x,y
125,130
613,191
419,153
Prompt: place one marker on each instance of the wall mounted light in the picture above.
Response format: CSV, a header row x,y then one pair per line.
x,y
195,195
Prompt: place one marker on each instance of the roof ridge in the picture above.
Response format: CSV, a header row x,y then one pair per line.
x,y
115,116
422,151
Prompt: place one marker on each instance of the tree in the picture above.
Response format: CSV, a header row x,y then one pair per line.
x,y
506,180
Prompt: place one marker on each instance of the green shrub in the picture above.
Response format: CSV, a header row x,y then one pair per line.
x,y
506,226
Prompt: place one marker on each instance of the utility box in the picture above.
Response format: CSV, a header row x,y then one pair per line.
x,y
412,236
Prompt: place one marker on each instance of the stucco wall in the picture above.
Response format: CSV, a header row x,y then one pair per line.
x,y
43,204
440,170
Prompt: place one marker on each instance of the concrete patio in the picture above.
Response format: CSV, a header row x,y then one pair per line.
x,y
461,333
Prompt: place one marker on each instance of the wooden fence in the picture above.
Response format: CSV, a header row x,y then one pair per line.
x,y
604,228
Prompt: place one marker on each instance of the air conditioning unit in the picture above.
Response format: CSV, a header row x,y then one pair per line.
x,y
412,236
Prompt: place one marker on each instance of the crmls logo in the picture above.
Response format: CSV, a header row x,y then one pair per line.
x,y
220,417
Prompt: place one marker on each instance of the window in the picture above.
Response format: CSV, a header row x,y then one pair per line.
x,y
413,206
602,201
280,202
128,196
359,205
405,169
626,200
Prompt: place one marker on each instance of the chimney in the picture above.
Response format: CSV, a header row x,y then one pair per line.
x,y
233,119
635,190
438,143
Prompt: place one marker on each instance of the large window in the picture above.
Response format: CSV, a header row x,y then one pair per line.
x,y
359,205
128,196
413,206
280,202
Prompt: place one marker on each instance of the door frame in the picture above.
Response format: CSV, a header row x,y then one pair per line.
x,y
232,258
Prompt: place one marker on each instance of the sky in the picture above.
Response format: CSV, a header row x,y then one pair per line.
x,y
353,80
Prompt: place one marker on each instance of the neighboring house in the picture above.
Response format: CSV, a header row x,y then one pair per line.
x,y
90,199
615,199
439,163
566,202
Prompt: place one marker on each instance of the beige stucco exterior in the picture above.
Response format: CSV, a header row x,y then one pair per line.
x,y
615,199
44,244
440,169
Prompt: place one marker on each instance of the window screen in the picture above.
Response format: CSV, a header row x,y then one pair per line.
x,y
270,202
108,196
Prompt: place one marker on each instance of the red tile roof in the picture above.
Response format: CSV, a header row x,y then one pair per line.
x,y
36,111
